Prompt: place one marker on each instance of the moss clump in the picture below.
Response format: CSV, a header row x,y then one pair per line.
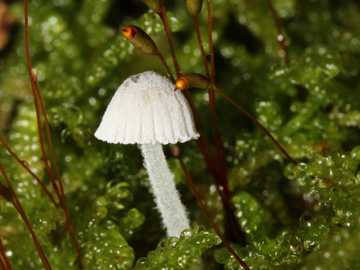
x,y
303,216
181,253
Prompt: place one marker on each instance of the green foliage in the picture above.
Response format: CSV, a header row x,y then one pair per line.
x,y
303,216
107,249
252,217
181,253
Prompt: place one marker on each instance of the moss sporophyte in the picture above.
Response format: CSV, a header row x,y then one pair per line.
x,y
265,154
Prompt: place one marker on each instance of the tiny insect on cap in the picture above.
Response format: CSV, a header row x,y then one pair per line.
x,y
145,109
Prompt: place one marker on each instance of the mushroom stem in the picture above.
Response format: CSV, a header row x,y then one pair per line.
x,y
163,188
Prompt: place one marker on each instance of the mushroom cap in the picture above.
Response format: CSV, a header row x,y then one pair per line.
x,y
146,110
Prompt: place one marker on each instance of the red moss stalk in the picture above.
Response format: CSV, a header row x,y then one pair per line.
x,y
162,59
163,16
198,35
22,163
234,230
258,124
218,141
210,93
202,143
280,36
37,96
4,262
14,200
208,215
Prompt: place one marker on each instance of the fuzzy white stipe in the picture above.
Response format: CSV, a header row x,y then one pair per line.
x,y
146,109
166,196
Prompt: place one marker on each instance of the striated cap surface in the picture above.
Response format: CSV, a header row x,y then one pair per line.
x,y
146,109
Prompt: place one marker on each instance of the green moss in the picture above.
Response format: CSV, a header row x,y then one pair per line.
x,y
181,253
303,216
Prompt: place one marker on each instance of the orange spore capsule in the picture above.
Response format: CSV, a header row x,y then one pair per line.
x,y
129,32
181,84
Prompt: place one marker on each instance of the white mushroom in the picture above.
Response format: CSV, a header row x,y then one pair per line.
x,y
146,110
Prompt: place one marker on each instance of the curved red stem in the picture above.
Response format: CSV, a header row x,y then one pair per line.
x,y
258,124
162,59
198,35
222,184
202,143
4,262
280,36
165,21
22,163
20,210
208,215
37,95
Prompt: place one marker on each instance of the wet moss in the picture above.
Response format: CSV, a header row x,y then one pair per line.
x,y
303,216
